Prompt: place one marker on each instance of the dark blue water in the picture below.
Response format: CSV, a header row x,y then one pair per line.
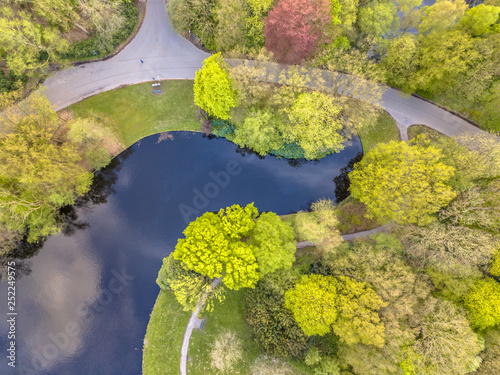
x,y
84,297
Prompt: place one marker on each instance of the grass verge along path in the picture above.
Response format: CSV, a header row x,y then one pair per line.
x,y
135,112
163,341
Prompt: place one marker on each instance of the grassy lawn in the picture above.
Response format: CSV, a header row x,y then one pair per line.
x,y
227,315
382,131
163,341
135,112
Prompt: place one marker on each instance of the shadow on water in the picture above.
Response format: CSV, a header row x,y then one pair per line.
x,y
99,274
342,181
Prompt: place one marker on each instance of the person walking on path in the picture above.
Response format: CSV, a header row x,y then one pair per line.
x,y
142,62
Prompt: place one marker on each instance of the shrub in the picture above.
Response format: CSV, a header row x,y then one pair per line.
x,y
227,351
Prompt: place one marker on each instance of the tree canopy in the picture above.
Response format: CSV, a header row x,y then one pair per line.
x,y
322,304
402,182
212,88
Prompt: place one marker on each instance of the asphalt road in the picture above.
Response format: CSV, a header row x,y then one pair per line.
x,y
167,55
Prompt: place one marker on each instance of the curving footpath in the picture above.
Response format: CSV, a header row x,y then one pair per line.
x,y
167,55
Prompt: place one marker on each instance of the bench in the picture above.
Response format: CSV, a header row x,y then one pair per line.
x,y
157,91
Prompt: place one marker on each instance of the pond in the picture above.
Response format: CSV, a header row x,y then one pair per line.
x,y
84,296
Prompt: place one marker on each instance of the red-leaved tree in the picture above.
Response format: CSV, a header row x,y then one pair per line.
x,y
295,28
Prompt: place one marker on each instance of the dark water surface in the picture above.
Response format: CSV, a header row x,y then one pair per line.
x,y
84,297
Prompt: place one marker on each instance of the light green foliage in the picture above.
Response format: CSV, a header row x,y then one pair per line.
x,y
259,132
95,139
273,241
37,174
315,124
27,45
212,88
495,265
321,304
378,262
171,269
231,23
442,57
401,182
313,304
188,286
448,345
458,251
441,15
479,20
399,62
405,6
378,18
212,246
254,22
348,14
483,304
60,13
358,307
319,226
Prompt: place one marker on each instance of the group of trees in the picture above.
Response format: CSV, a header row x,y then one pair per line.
x,y
35,33
44,164
235,245
288,119
446,51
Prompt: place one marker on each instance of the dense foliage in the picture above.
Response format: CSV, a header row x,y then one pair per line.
x,y
35,33
402,182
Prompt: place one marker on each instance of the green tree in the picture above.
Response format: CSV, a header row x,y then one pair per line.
x,y
442,15
259,131
490,363
399,62
402,182
319,226
273,241
378,19
212,88
321,304
272,325
442,57
230,31
27,45
483,304
315,125
39,173
480,20
212,246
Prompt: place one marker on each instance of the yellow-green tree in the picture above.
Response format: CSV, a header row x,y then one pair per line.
x,y
212,88
212,246
322,304
273,241
315,124
402,182
28,46
38,173
483,304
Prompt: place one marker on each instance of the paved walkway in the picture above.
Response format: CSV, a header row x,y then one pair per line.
x,y
193,322
167,55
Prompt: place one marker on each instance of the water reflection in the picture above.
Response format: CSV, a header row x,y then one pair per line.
x,y
85,305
